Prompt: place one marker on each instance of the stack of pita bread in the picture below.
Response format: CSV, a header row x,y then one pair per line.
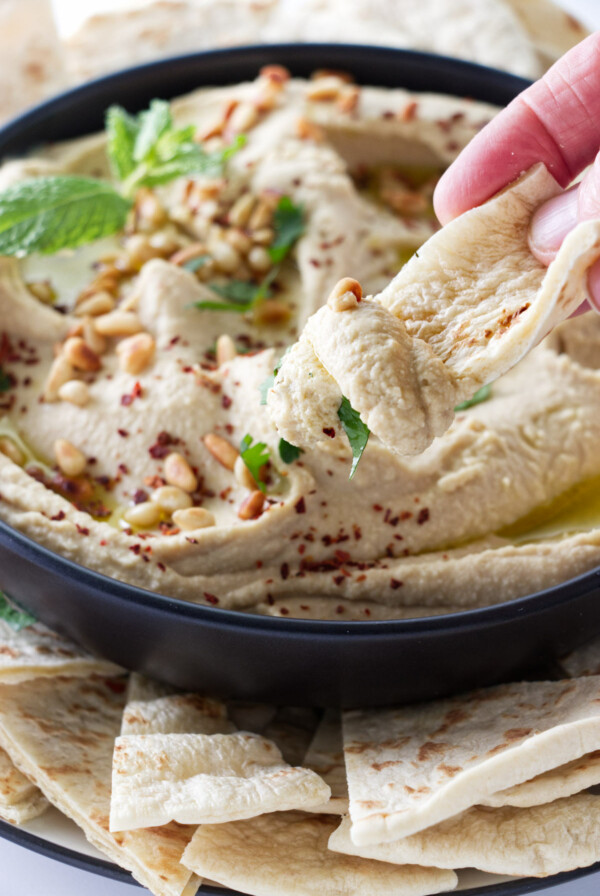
x,y
525,36
180,788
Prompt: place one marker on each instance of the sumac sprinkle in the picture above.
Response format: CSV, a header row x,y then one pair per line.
x,y
423,516
211,598
300,506
396,583
284,570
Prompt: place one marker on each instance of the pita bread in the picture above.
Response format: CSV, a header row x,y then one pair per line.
x,y
552,30
325,756
60,733
573,777
583,661
204,779
410,768
170,713
534,842
286,854
20,800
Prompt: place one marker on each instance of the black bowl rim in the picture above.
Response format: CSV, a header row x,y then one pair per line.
x,y
526,605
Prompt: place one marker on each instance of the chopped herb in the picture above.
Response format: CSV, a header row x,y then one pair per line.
x,y
255,456
288,222
12,614
287,452
358,432
5,381
194,264
481,395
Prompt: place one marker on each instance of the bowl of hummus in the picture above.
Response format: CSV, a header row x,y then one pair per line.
x,y
159,257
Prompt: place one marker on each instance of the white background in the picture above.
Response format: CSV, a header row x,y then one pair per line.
x,y
23,873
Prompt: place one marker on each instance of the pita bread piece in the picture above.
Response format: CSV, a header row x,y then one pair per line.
x,y
412,767
534,842
20,800
153,708
60,733
583,661
573,777
286,854
552,30
204,779
325,756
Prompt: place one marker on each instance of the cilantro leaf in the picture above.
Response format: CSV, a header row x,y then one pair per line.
x,y
287,452
121,131
358,432
288,222
481,395
255,456
12,614
51,213
5,381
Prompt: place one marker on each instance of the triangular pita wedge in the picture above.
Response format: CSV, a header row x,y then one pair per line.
x,y
60,733
20,800
534,842
204,779
410,768
152,708
325,756
565,780
37,652
286,854
460,313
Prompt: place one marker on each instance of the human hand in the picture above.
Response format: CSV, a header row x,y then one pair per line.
x,y
555,121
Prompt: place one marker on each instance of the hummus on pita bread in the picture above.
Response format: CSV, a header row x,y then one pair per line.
x,y
124,406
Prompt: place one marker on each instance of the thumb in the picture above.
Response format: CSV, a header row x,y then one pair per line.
x,y
557,217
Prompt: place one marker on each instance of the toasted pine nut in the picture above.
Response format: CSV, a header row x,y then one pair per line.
x,y
139,250
240,211
308,130
271,313
98,303
345,295
324,89
226,350
80,355
170,498
261,216
149,213
276,73
165,242
178,472
243,474
259,259
144,516
238,239
118,323
136,352
96,342
264,236
193,518
187,253
348,99
42,290
60,372
222,450
225,257
70,459
75,391
244,117
252,506
11,450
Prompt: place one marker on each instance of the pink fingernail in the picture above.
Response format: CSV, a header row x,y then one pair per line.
x,y
551,223
594,286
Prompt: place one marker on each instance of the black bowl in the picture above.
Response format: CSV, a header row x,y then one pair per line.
x,y
284,660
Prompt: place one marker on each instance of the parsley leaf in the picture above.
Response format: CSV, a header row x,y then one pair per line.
x,y
288,223
255,456
5,381
481,395
12,614
358,432
287,452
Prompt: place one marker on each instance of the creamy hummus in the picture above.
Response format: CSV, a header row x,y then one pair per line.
x,y
116,388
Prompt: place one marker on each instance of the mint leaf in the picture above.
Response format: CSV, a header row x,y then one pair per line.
x,y
152,123
240,292
481,395
16,618
358,432
255,456
287,452
51,213
122,130
5,381
288,222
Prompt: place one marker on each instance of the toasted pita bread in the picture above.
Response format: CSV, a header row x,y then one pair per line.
x,y
413,767
60,733
534,842
573,777
20,800
151,709
325,756
286,854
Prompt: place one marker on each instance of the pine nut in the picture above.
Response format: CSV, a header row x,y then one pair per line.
x,y
240,211
136,352
94,305
60,372
345,295
324,89
261,216
276,73
271,313
96,342
348,99
42,290
193,518
225,257
243,474
70,459
143,516
139,250
188,253
164,242
226,350
259,259
80,355
178,472
238,239
170,498
243,118
252,506
11,450
308,130
149,213
264,236
118,323
75,391
222,450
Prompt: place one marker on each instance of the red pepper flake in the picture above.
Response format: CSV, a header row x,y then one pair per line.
x,y
284,570
58,516
305,606
136,392
423,516
409,112
135,548
342,556
301,548
396,583
377,508
103,542
82,529
226,402
300,506
117,687
340,608
161,566
357,532
162,446
154,481
259,564
366,611
270,600
123,468
361,577
211,598
329,431
284,611
338,580
406,515
123,433
399,537
139,496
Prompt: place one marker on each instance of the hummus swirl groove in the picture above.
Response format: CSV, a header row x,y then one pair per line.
x,y
168,392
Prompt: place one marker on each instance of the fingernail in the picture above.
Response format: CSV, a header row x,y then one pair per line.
x,y
551,223
594,285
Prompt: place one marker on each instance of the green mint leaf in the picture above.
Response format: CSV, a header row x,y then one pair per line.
x,y
358,432
255,456
481,395
194,264
288,222
5,381
287,452
153,123
16,618
228,307
122,130
240,292
46,214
